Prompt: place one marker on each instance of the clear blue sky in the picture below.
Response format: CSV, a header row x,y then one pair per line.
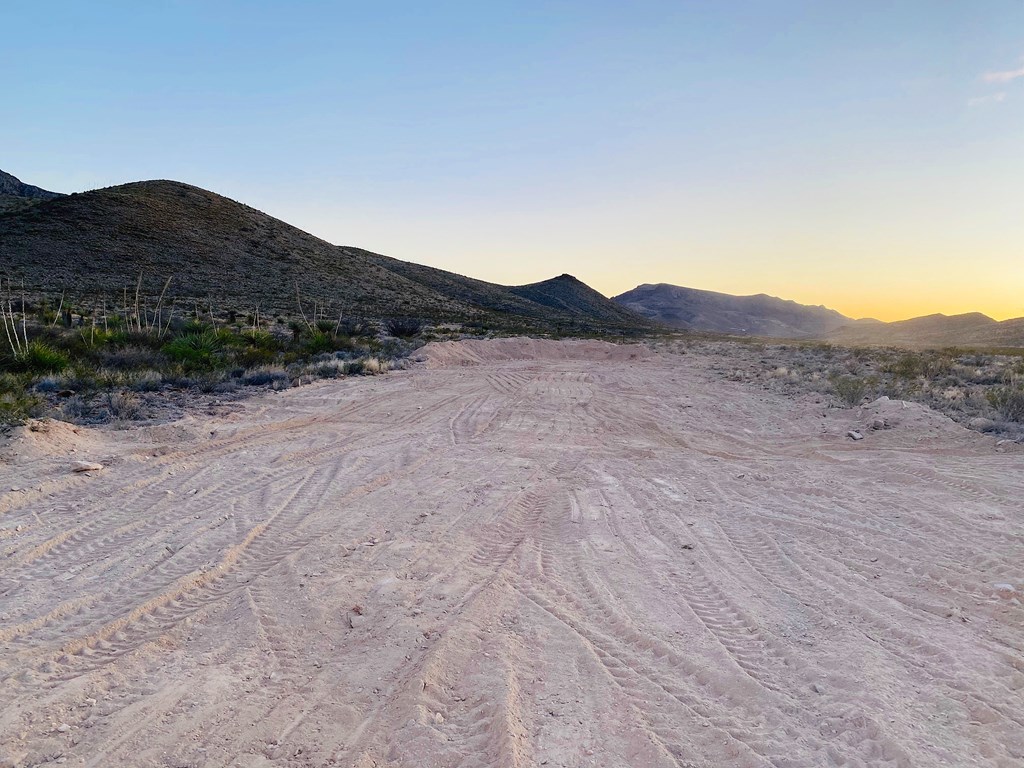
x,y
866,155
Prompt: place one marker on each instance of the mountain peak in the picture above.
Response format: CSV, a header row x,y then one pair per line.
x,y
12,185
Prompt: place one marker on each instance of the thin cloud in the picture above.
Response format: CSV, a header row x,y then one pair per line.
x,y
992,98
1005,76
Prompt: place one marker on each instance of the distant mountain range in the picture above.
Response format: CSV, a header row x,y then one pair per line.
x,y
759,315
971,329
762,315
217,251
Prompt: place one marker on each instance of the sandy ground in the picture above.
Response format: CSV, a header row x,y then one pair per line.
x,y
518,553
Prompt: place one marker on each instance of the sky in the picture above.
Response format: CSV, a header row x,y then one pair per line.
x,y
866,156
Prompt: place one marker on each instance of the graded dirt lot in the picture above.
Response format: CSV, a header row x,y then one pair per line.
x,y
518,553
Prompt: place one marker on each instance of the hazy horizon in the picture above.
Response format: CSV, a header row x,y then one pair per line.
x,y
867,159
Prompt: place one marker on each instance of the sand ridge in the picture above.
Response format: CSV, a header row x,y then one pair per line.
x,y
518,553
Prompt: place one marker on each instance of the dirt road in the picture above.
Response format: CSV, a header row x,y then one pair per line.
x,y
516,554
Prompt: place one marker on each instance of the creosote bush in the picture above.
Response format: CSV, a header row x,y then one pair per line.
x,y
850,389
1008,401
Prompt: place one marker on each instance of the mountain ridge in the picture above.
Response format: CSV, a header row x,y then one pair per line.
x,y
754,315
218,250
764,315
12,185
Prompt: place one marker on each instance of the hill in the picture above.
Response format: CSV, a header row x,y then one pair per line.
x,y
10,185
567,294
15,195
219,251
970,329
759,315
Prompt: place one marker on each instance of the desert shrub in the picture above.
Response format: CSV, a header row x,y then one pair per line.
x,y
195,349
108,378
80,378
123,405
131,357
403,327
265,375
75,408
354,367
350,326
37,357
48,384
318,342
907,366
192,327
16,403
146,381
912,365
212,381
16,407
253,357
260,339
1008,401
328,370
849,389
373,366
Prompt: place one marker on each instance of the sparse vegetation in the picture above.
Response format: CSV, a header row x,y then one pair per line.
x,y
404,327
256,266
850,389
1008,401
980,388
116,360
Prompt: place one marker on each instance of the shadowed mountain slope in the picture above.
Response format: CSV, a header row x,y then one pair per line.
x,y
758,315
10,185
567,294
15,195
217,250
768,316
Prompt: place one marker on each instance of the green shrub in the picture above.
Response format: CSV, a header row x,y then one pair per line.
x,y
16,407
261,339
850,389
198,350
38,358
908,366
17,403
319,342
1008,401
80,378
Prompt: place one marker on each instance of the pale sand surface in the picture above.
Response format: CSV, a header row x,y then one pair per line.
x,y
519,553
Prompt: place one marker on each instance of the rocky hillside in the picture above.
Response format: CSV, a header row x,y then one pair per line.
x,y
759,315
9,185
221,252
15,195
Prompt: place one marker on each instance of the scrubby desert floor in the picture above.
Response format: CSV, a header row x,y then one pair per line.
x,y
518,553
